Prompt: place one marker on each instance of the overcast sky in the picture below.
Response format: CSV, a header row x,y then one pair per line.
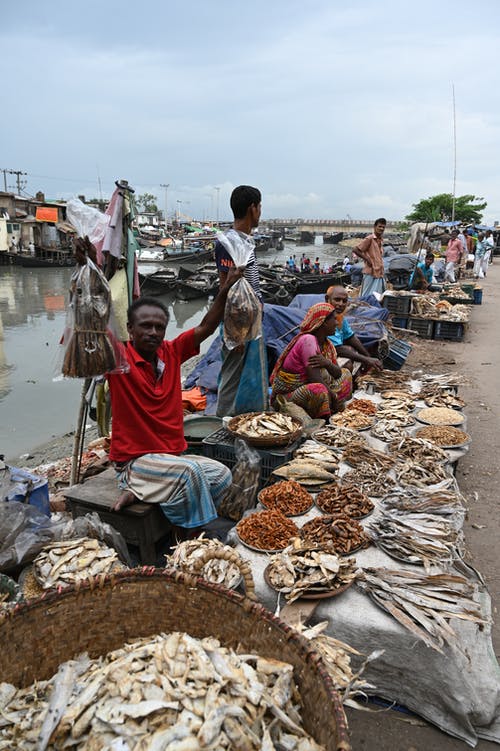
x,y
332,108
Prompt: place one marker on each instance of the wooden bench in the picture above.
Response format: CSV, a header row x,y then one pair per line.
x,y
141,524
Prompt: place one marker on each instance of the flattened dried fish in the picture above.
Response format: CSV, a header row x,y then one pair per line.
x,y
218,571
63,563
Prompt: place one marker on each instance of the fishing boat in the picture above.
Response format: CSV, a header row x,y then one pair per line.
x,y
195,283
44,257
159,282
312,284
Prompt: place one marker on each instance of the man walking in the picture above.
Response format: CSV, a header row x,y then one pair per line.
x,y
370,250
453,255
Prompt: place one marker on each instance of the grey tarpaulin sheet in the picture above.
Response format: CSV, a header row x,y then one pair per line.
x,y
459,691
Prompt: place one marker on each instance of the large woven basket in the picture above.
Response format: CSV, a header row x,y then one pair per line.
x,y
104,613
265,442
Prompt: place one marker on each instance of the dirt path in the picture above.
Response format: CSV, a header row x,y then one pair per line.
x,y
478,474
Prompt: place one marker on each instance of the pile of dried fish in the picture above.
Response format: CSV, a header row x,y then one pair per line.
x,y
419,538
444,380
266,530
305,471
383,379
362,405
337,658
308,568
440,416
287,496
369,479
398,398
337,437
264,425
423,603
410,473
159,694
218,571
344,499
353,419
356,455
63,563
434,396
420,451
395,411
387,430
444,502
345,534
312,450
443,435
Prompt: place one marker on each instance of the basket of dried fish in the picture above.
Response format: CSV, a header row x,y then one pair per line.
x,y
337,437
224,570
440,416
352,418
266,531
266,429
309,571
164,624
344,499
344,534
445,436
369,479
286,496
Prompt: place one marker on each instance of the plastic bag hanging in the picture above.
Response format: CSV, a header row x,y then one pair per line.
x,y
243,311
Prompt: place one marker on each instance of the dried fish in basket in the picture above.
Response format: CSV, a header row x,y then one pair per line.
x,y
418,538
337,437
63,563
266,531
308,569
444,502
286,496
344,499
362,405
345,534
356,455
186,555
420,451
369,479
424,603
312,450
306,471
445,436
386,430
440,416
353,419
265,428
410,473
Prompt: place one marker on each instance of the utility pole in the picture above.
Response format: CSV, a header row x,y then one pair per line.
x,y
15,172
218,191
166,186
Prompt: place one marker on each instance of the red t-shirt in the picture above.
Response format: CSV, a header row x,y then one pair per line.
x,y
147,409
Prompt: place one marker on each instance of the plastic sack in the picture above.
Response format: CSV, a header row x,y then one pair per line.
x,y
242,495
243,311
24,531
86,220
91,346
25,487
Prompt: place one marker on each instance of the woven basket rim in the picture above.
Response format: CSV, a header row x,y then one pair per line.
x,y
38,608
282,440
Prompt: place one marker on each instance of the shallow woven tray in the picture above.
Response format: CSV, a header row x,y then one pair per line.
x,y
105,613
265,442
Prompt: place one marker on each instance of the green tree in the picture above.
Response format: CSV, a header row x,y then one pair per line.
x,y
147,202
468,209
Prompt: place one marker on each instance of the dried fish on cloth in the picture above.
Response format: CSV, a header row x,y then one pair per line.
x,y
387,430
356,455
353,419
369,479
384,380
322,454
222,571
337,437
420,451
424,603
63,563
171,692
420,538
396,412
438,396
306,568
445,502
412,473
344,534
344,499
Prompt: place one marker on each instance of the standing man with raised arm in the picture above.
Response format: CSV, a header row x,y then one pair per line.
x,y
370,250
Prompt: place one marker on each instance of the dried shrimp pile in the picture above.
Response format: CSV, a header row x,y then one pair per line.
x,y
64,563
386,430
346,535
420,451
313,451
362,405
287,496
369,479
160,693
442,435
218,571
352,418
440,416
266,530
344,499
307,568
337,437
356,455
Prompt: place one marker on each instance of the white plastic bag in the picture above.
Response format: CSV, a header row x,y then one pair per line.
x,y
86,220
243,311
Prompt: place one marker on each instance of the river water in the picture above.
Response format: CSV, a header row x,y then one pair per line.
x,y
36,405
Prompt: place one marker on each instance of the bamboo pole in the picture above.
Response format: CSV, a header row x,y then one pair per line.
x,y
79,434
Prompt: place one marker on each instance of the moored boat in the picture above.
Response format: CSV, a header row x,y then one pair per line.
x,y
159,282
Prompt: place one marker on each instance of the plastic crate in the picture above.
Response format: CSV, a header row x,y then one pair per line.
x,y
220,446
457,300
449,330
397,305
398,352
400,323
478,296
423,326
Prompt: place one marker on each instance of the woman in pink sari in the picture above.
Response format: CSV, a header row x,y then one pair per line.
x,y
307,373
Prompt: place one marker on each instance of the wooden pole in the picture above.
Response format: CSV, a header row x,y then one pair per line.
x,y
79,434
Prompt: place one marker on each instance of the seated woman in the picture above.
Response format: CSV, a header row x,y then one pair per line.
x,y
306,372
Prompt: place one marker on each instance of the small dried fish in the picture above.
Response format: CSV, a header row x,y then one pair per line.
x,y
344,499
218,571
410,473
352,418
264,424
369,479
63,563
356,455
420,451
386,430
345,534
337,437
443,435
435,396
312,450
445,502
396,413
440,416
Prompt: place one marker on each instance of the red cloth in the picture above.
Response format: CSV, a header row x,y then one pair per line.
x,y
147,411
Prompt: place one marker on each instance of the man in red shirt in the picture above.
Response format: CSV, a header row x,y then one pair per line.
x,y
147,438
453,255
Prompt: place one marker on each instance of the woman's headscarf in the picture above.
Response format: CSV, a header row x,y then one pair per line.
x,y
315,316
